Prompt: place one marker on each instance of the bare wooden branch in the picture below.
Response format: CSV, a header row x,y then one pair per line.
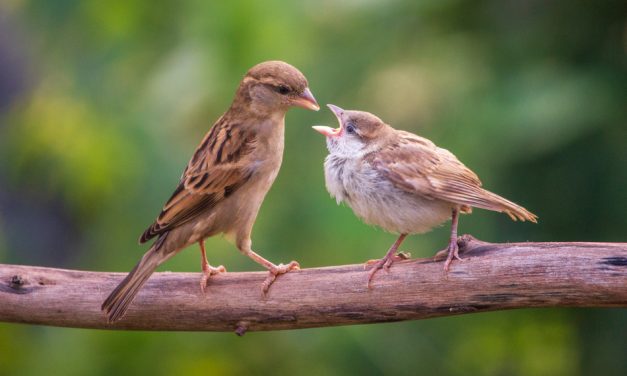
x,y
492,277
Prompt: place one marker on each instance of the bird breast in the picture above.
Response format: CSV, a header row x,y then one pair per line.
x,y
376,201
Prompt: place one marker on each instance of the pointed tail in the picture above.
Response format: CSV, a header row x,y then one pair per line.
x,y
121,297
494,202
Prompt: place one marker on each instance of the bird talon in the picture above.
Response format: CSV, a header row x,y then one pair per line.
x,y
275,271
397,257
265,286
207,272
387,265
453,253
384,263
387,261
447,263
203,283
374,271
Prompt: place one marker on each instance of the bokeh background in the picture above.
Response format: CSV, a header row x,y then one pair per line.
x,y
102,104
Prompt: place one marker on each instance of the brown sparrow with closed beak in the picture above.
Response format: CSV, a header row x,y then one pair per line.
x,y
401,182
225,181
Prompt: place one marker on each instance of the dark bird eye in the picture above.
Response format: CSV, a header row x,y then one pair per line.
x,y
282,89
350,128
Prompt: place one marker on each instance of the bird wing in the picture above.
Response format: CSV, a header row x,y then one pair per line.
x,y
221,164
417,165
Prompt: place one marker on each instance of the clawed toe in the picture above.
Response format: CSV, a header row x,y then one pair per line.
x,y
388,260
384,263
207,272
453,253
378,266
397,257
275,271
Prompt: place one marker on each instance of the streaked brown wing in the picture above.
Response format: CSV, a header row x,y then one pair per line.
x,y
416,165
220,165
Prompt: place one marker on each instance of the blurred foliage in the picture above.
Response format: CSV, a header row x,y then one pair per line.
x,y
102,103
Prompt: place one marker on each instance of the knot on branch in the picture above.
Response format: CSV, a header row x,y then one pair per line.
x,y
17,281
465,242
241,328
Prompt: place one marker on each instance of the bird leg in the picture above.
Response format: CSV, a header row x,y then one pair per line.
x,y
273,270
453,248
207,270
387,260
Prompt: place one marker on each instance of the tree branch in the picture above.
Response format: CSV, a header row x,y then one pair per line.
x,y
492,277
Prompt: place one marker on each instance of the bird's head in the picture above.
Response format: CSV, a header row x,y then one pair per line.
x,y
358,133
276,86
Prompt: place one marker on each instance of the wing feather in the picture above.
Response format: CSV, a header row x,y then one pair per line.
x,y
416,165
221,164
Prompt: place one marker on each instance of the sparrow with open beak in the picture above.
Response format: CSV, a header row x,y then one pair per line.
x,y
401,182
225,181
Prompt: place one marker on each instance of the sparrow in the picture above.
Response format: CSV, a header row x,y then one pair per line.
x,y
226,180
402,182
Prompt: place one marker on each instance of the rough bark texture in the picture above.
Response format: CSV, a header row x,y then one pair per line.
x,y
492,277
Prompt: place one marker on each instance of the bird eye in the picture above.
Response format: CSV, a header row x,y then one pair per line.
x,y
350,128
282,89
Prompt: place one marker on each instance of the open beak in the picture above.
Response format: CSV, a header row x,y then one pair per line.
x,y
306,100
328,131
338,112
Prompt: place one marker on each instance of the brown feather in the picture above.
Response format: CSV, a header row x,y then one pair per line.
x,y
212,174
416,165
121,297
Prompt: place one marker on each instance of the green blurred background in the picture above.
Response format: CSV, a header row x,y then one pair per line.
x,y
102,104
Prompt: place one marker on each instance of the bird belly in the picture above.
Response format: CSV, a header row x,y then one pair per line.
x,y
378,202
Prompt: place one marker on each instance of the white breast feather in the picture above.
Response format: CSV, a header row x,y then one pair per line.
x,y
377,201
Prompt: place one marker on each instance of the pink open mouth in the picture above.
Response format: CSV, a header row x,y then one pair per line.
x,y
328,131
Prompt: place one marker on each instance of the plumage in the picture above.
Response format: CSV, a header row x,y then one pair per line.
x,y
417,166
402,182
220,165
225,181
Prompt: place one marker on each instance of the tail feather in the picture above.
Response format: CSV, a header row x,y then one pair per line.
x,y
500,204
117,303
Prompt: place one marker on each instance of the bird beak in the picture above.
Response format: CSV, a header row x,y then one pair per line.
x,y
338,112
306,100
328,131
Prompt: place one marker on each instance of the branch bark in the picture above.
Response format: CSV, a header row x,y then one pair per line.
x,y
492,277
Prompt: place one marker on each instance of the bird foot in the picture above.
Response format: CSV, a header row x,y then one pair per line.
x,y
384,263
276,270
453,252
397,257
207,272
